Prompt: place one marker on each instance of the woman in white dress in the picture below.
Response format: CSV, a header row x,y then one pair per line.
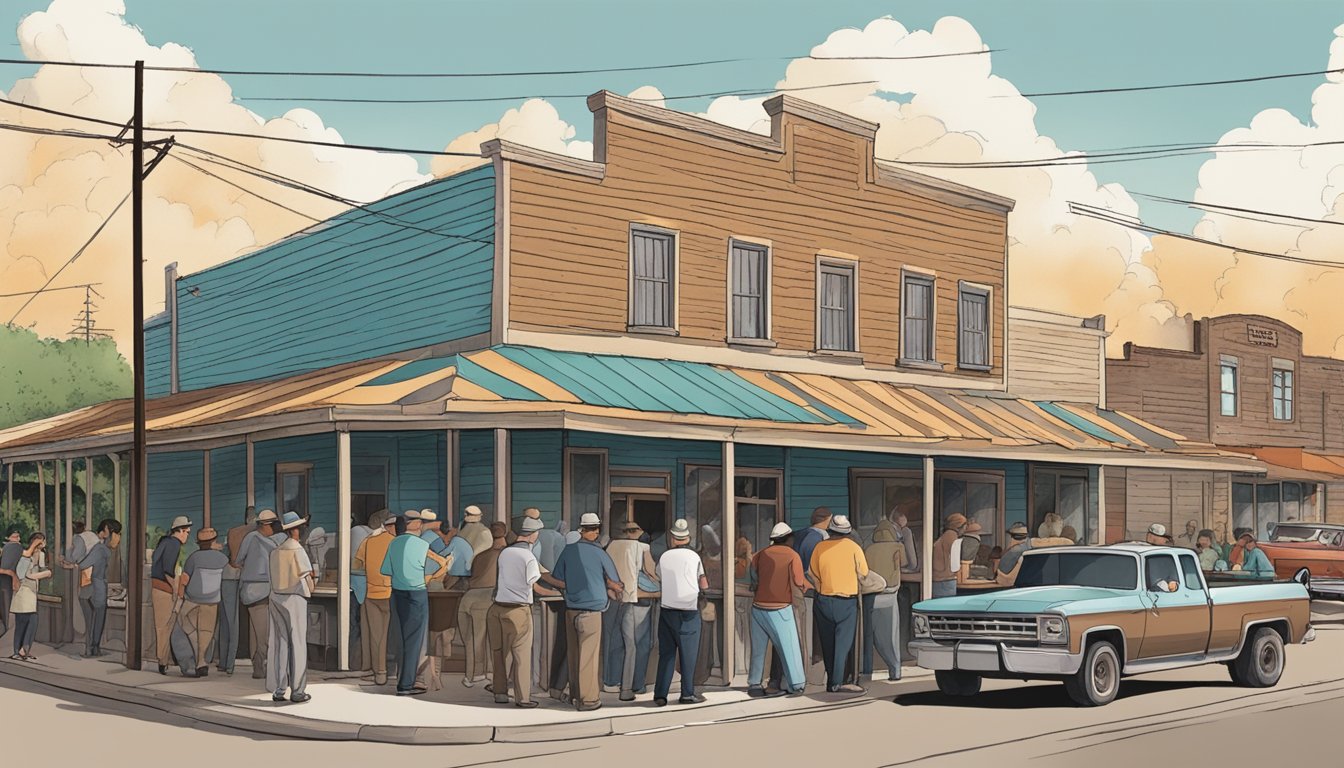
x,y
31,569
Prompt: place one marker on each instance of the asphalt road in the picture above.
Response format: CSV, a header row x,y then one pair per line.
x,y
1188,717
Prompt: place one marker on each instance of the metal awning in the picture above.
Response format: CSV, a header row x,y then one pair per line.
x,y
1296,463
521,387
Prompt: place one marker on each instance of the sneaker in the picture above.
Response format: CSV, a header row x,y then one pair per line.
x,y
412,692
278,695
468,682
163,669
775,692
380,679
581,707
627,696
660,702
299,698
850,688
202,671
756,692
696,699
525,704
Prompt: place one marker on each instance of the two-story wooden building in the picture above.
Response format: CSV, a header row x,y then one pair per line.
x,y
701,323
1245,385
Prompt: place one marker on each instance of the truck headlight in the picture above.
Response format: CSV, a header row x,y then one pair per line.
x,y
1054,630
920,623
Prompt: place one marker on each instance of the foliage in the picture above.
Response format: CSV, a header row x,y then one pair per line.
x,y
24,517
44,377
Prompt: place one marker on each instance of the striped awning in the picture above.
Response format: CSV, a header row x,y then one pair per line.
x,y
522,380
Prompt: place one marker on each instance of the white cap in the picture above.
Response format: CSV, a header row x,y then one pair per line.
x,y
412,514
780,531
532,525
680,530
428,515
839,524
590,520
472,513
1157,529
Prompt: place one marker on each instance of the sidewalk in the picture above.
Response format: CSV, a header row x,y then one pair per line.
x,y
346,708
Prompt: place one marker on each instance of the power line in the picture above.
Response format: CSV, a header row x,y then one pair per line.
x,y
71,260
69,134
1118,219
47,290
1231,209
525,73
1121,155
1166,86
485,99
244,190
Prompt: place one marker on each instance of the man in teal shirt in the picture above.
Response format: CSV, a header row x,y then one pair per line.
x,y
411,565
1257,563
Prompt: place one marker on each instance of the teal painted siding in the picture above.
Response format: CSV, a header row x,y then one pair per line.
x,y
537,466
176,487
419,471
318,450
353,287
158,380
228,486
476,471
821,479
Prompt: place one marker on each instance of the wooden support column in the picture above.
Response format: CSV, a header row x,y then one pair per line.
x,y
205,488
727,558
251,475
118,511
1100,536
88,492
450,501
926,560
343,544
503,467
9,491
41,499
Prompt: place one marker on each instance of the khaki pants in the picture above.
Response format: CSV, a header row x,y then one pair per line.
x,y
583,635
198,621
374,617
471,623
259,621
510,631
162,605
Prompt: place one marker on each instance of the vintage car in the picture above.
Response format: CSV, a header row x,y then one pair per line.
x,y
1318,547
1089,615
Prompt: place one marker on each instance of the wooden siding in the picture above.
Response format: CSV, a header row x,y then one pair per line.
x,y
476,472
157,371
228,487
537,467
1054,361
318,450
1334,503
568,241
1170,498
1169,389
176,487
1116,482
357,286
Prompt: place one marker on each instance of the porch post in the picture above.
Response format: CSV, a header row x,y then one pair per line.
x,y
727,557
450,479
9,490
251,480
205,488
343,542
41,498
88,492
926,561
1100,537
116,487
503,457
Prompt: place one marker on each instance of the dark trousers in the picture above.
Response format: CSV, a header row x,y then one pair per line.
x,y
678,634
357,660
559,652
25,631
836,619
6,596
95,618
413,619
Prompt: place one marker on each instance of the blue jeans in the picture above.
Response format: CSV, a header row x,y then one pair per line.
x,y
226,632
778,627
413,619
678,634
837,620
613,643
637,637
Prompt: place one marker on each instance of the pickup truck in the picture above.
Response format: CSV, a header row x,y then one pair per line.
x,y
1318,547
1089,615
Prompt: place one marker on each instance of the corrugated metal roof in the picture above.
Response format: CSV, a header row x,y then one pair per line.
x,y
514,379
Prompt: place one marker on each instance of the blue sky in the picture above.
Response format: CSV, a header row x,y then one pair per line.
x,y
1047,45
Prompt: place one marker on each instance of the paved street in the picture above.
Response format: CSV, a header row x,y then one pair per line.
x,y
1187,716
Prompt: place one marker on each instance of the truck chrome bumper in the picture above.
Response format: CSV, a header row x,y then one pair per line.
x,y
975,656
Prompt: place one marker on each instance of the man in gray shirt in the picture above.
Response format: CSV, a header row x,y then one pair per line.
x,y
253,560
204,575
93,596
9,581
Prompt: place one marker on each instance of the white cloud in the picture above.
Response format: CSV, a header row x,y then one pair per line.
x,y
536,123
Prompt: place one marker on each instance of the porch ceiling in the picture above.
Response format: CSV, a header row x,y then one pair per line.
x,y
790,408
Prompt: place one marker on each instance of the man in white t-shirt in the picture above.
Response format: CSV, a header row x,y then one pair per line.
x,y
509,619
682,576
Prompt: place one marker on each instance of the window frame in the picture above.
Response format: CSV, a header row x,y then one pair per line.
x,y
1287,386
998,478
965,287
283,468
674,280
931,278
834,263
766,339
1154,557
690,498
1059,473
566,511
859,474
1227,361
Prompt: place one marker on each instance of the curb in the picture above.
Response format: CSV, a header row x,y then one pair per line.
x,y
278,723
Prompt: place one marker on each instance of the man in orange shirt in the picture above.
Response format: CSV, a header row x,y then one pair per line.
x,y
837,565
377,608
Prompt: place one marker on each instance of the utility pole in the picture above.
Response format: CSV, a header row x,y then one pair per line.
x,y
139,471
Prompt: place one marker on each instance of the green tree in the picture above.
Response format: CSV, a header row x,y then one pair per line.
x,y
41,377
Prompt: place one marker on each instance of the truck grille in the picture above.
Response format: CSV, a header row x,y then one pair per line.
x,y
996,628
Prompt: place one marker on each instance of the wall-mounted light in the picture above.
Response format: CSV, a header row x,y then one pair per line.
x,y
194,291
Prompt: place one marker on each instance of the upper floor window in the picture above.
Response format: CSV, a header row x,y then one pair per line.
x,y
836,306
653,284
916,317
973,327
1227,386
749,276
1281,392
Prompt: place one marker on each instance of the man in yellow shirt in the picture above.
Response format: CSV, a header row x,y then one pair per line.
x,y
376,611
837,565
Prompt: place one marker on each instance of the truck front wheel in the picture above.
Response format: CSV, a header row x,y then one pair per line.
x,y
956,682
1260,663
1097,681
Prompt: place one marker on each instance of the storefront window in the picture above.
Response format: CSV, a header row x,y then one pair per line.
x,y
586,475
1258,506
979,498
1063,492
1243,506
645,498
291,488
756,495
1267,511
877,495
368,489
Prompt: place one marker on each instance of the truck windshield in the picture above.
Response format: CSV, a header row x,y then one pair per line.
x,y
1078,569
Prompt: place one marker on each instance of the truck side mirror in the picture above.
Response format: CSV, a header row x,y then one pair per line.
x,y
1303,577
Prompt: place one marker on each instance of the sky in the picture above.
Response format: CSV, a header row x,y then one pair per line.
x,y
1038,46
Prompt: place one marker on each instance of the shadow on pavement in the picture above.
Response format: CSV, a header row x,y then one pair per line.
x,y
1045,696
